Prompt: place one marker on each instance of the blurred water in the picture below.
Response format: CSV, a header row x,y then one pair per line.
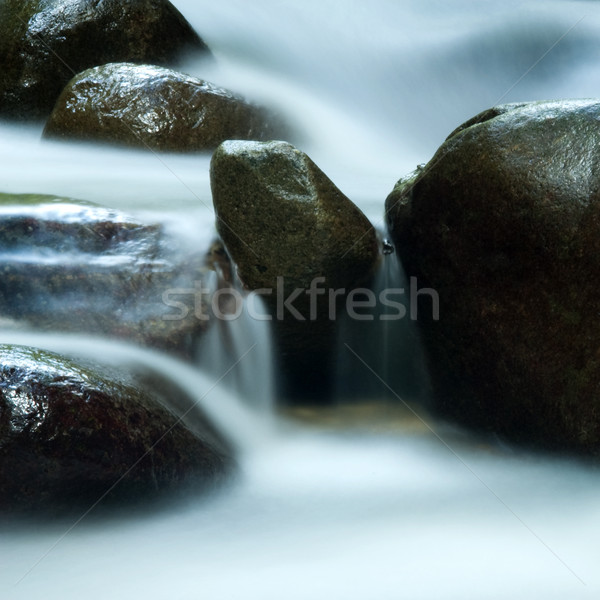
x,y
245,332
380,354
391,508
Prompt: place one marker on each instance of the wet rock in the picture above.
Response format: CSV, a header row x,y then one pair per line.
x,y
280,216
285,224
71,435
504,223
43,43
71,266
155,108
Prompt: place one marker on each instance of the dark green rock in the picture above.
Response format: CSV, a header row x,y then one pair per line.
x,y
155,108
504,222
44,43
281,217
72,435
73,266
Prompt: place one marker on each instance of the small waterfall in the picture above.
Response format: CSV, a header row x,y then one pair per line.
x,y
380,356
357,513
232,336
245,428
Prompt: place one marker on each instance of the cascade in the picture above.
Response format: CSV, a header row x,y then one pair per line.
x,y
377,510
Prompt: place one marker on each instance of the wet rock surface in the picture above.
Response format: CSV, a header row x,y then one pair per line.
x,y
72,266
155,108
280,216
44,43
284,224
72,434
504,223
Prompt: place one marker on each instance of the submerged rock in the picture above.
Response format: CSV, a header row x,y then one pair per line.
x,y
504,223
155,108
43,43
285,225
71,266
71,435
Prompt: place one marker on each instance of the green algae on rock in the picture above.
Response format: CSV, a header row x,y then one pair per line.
x,y
155,108
71,435
504,223
285,226
43,43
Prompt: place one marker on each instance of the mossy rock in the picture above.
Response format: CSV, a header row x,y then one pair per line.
x,y
72,435
154,108
504,223
43,43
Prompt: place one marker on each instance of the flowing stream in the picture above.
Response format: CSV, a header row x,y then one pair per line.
x,y
370,501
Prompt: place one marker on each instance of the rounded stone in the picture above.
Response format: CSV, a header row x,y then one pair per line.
x,y
504,223
289,229
69,265
281,216
154,108
73,435
44,43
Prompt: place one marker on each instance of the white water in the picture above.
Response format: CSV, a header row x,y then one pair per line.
x,y
386,511
223,345
382,357
241,426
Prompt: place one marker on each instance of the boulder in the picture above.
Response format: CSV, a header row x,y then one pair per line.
x,y
72,266
43,43
280,216
154,108
72,435
285,224
504,224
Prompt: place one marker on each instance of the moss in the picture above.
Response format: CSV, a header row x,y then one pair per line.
x,y
36,199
